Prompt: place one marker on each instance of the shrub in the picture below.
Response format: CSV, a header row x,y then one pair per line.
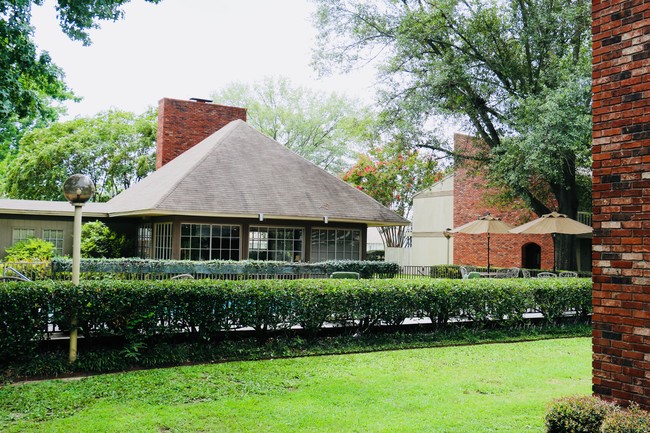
x,y
445,271
376,255
348,275
129,268
632,420
98,240
581,414
207,309
23,319
32,249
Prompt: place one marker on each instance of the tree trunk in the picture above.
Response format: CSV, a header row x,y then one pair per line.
x,y
567,199
394,236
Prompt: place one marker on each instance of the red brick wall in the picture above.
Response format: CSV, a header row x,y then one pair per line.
x,y
182,124
470,193
621,200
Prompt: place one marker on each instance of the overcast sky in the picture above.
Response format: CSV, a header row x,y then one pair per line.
x,y
189,48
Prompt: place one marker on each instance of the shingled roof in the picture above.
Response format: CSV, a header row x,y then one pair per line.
x,y
239,172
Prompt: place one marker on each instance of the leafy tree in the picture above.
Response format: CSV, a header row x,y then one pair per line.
x,y
324,129
115,148
392,175
29,80
99,241
518,73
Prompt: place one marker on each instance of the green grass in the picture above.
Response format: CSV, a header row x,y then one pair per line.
x,y
480,388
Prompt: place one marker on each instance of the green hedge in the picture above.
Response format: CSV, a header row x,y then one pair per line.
x,y
137,310
131,268
588,414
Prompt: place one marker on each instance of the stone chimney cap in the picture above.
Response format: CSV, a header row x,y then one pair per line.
x,y
201,100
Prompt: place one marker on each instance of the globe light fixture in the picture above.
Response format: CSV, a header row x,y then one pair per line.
x,y
77,189
447,234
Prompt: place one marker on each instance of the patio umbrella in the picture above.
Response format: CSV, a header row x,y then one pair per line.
x,y
553,223
485,224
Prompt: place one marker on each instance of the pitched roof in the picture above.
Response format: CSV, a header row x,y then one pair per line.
x,y
50,208
239,172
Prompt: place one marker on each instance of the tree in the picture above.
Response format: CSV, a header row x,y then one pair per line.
x,y
115,148
29,80
325,129
517,72
392,175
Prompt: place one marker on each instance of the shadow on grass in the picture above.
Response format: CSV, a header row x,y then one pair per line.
x,y
105,356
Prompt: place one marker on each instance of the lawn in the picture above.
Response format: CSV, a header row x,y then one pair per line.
x,y
480,388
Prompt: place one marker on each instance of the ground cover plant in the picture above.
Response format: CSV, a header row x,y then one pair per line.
x,y
106,356
478,388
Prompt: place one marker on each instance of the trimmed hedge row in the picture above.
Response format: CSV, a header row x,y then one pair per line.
x,y
245,268
137,310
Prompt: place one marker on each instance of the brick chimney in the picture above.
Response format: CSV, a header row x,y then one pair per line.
x,y
183,124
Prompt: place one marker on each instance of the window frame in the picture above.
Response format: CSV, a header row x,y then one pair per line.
x,y
318,255
273,255
186,252
57,241
19,238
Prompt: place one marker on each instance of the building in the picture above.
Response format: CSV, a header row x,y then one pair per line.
x,y
621,201
222,190
460,198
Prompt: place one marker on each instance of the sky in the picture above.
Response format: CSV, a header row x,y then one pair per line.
x,y
189,48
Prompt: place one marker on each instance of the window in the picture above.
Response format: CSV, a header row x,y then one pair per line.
x,y
56,237
162,233
144,241
282,244
335,244
209,242
18,235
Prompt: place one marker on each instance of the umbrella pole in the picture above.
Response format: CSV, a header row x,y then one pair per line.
x,y
488,254
554,266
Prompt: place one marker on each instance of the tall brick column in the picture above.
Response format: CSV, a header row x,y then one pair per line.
x,y
183,124
621,200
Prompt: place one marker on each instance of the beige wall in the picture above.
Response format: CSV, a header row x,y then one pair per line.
x,y
433,212
401,256
8,224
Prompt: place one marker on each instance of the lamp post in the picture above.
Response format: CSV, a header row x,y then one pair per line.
x,y
447,234
77,189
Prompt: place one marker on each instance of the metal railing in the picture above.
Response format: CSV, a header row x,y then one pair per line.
x,y
42,271
584,218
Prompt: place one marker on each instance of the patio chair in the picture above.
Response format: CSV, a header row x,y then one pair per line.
x,y
514,272
525,273
464,273
502,273
546,275
568,274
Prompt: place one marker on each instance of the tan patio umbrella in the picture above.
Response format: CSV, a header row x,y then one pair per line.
x,y
553,223
485,224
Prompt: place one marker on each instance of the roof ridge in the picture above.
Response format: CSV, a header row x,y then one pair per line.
x,y
356,190
200,160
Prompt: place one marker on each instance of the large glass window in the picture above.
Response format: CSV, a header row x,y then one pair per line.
x,y
56,237
163,241
335,244
20,234
284,244
210,242
145,241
